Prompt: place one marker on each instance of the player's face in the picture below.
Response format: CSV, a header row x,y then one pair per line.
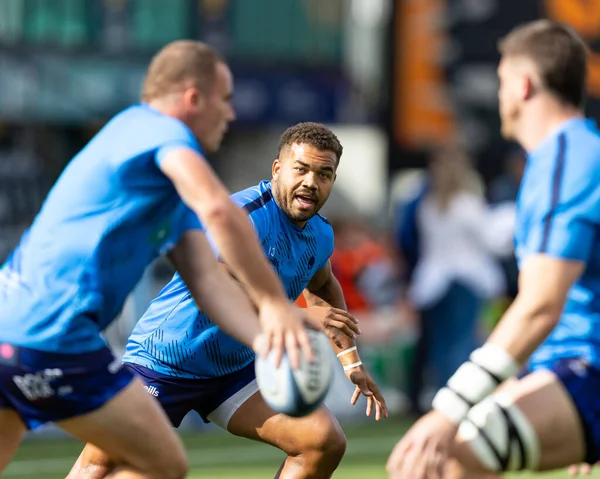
x,y
212,118
302,180
509,97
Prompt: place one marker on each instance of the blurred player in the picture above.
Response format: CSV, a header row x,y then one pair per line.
x,y
547,418
188,363
115,208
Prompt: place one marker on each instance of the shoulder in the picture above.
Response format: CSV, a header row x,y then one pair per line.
x,y
323,232
257,202
143,121
323,226
578,155
255,198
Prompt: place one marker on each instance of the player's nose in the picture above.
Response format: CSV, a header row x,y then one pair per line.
x,y
231,116
310,181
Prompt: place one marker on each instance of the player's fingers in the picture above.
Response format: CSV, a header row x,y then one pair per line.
x,y
343,321
258,345
332,334
265,342
436,465
370,402
355,396
384,409
291,347
378,411
413,464
346,314
378,397
342,328
276,347
394,461
305,345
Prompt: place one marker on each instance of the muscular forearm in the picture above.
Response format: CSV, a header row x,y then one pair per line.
x,y
523,328
330,295
231,309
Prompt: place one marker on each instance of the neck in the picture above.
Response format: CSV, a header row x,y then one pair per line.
x,y
541,119
167,107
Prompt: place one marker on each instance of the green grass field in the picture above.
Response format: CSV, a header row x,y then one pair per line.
x,y
220,456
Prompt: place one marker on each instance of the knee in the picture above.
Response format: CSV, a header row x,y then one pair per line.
x,y
169,466
175,469
335,447
327,443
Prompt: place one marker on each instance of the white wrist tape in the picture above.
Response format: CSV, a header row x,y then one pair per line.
x,y
496,361
353,365
346,351
474,380
450,405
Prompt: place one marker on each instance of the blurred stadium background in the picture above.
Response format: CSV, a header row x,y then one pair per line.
x,y
401,82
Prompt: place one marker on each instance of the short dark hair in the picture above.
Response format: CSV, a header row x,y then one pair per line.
x,y
313,134
179,62
559,54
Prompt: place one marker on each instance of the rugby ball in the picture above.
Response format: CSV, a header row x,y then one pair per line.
x,y
297,392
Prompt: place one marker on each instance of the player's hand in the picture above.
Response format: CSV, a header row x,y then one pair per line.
x,y
334,322
283,329
423,451
366,386
580,469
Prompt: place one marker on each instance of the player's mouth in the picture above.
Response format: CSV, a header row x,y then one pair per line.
x,y
305,201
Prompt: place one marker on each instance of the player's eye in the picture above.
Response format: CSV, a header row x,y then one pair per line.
x,y
300,170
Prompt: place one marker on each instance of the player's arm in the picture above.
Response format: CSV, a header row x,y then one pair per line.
x,y
544,282
325,300
213,289
559,243
204,193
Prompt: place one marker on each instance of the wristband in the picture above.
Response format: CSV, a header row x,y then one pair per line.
x,y
475,379
353,365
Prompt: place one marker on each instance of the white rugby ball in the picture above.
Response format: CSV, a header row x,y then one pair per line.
x,y
296,392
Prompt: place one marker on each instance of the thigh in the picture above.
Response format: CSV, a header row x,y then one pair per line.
x,y
12,430
538,413
116,429
256,420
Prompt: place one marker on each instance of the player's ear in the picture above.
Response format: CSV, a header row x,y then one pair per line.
x,y
527,87
193,99
275,168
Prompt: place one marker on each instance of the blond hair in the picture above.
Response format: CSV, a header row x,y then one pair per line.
x,y
559,54
179,64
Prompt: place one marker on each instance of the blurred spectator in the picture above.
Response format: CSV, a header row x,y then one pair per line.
x,y
450,238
